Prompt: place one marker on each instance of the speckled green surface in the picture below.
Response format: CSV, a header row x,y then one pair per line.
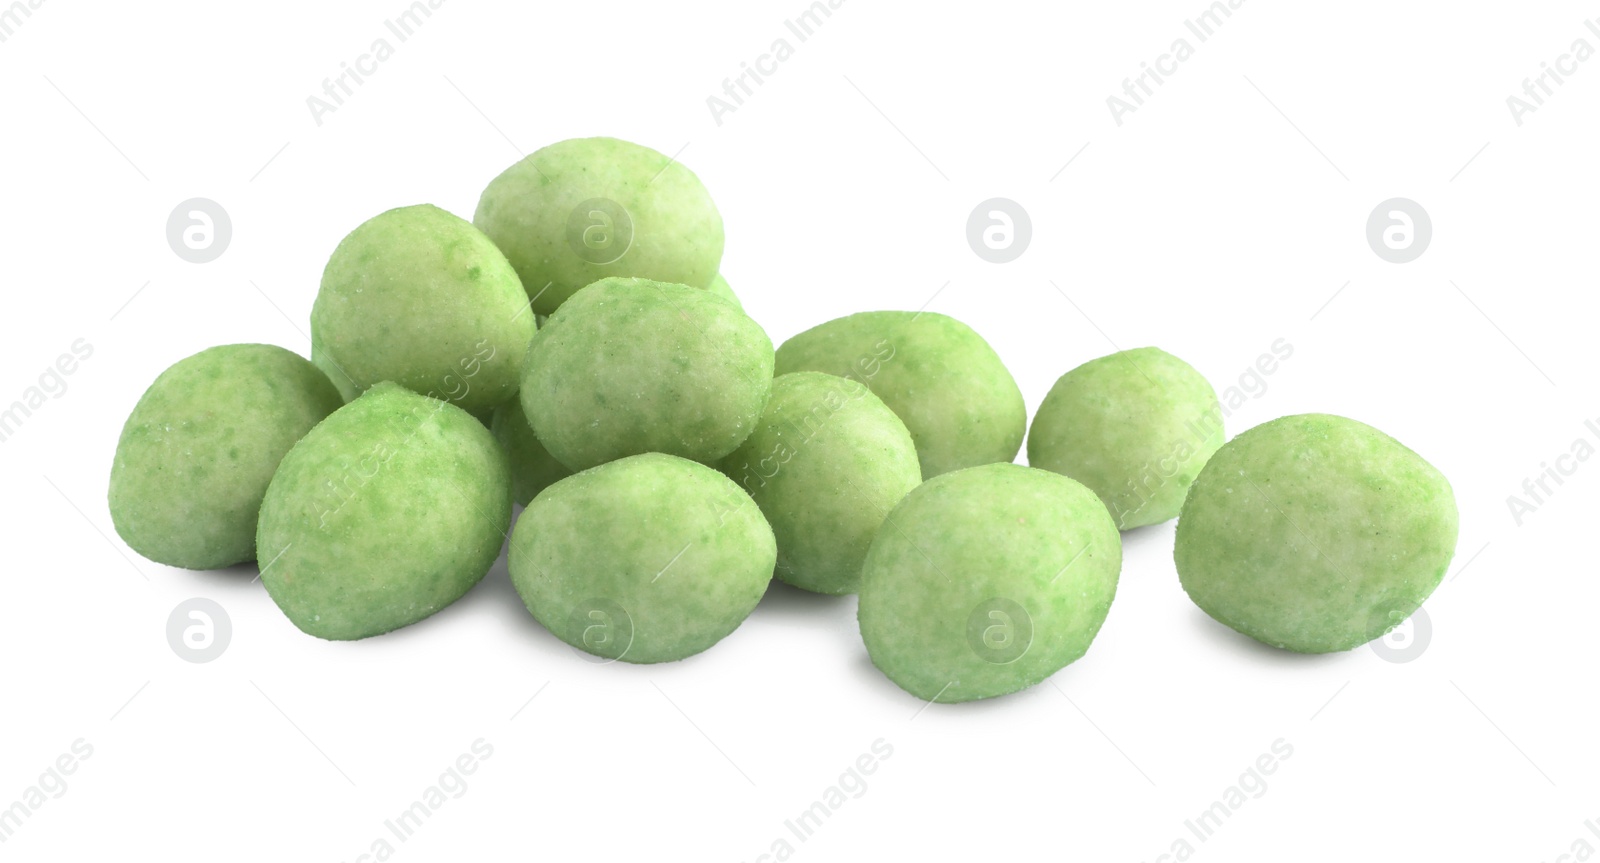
x,y
719,287
388,511
943,380
533,468
826,463
986,581
676,230
199,448
1135,427
420,297
630,366
651,558
1315,533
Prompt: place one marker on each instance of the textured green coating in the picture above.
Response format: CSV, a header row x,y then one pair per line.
x,y
388,511
986,581
1135,427
655,220
943,380
201,445
631,366
1315,533
420,297
533,468
651,558
719,287
826,463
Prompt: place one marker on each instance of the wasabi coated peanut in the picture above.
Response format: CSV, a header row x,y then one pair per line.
x,y
1135,427
826,463
986,581
1315,533
719,287
387,512
580,210
201,445
533,468
629,366
943,380
420,297
650,558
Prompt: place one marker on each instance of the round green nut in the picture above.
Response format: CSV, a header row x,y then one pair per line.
x,y
388,511
1135,427
533,468
584,209
826,463
1315,533
943,380
200,447
421,298
986,581
719,288
650,558
631,366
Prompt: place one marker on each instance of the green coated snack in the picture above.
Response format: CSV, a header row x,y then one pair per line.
x,y
650,558
388,511
200,447
986,581
826,463
533,468
943,380
1315,533
584,209
630,366
1135,427
420,297
719,287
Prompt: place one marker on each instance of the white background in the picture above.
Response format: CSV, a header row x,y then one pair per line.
x,y
1226,213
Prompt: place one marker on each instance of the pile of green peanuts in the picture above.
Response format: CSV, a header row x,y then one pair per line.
x,y
574,351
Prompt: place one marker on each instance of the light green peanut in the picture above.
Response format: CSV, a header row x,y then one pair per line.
x,y
420,297
826,463
387,512
584,209
630,366
199,448
650,558
1135,427
1315,533
987,580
